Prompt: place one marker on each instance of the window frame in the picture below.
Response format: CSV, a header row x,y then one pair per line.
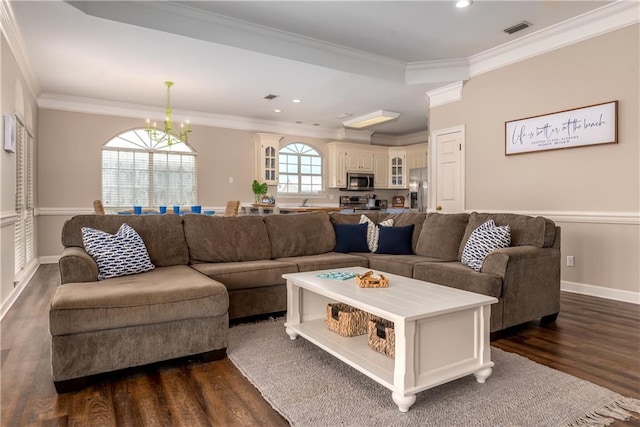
x,y
300,150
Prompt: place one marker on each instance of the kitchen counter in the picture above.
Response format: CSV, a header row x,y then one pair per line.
x,y
299,209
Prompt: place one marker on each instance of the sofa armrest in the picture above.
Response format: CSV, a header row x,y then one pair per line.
x,y
76,265
530,281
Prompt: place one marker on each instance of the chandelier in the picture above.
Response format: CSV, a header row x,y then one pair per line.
x,y
165,136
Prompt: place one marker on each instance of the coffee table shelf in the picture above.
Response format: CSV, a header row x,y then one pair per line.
x,y
441,333
353,351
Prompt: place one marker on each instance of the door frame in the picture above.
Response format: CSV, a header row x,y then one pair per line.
x,y
433,151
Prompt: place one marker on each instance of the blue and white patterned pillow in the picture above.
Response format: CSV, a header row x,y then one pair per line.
x,y
482,241
117,254
373,232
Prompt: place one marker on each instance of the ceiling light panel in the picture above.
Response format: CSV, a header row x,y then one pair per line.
x,y
371,119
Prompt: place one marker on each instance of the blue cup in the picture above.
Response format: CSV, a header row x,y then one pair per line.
x,y
209,212
196,209
163,209
137,210
176,210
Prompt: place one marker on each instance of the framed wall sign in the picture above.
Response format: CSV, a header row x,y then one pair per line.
x,y
594,124
9,133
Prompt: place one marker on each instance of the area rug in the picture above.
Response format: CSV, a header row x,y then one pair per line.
x,y
311,388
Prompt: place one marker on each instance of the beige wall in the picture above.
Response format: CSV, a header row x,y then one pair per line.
x,y
595,181
70,167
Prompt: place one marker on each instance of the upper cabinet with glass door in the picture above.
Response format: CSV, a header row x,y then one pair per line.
x,y
397,169
267,148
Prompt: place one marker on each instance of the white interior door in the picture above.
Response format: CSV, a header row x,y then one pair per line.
x,y
448,163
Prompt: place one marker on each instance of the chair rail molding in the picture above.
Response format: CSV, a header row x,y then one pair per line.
x,y
8,218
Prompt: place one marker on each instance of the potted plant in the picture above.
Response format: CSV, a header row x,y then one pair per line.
x,y
259,190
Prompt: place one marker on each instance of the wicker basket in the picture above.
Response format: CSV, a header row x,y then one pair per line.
x,y
368,280
346,320
382,337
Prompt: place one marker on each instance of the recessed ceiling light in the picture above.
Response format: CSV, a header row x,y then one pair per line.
x,y
316,124
343,116
277,110
298,121
463,3
296,101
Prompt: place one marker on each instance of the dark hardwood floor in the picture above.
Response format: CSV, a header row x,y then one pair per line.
x,y
594,339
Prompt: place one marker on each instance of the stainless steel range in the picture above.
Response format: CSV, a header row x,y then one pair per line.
x,y
354,202
362,203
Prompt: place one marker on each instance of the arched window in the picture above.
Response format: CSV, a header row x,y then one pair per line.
x,y
139,171
300,169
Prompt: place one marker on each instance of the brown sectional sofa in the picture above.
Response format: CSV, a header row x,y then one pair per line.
x,y
210,269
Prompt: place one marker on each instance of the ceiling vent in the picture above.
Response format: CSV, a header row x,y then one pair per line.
x,y
518,27
271,96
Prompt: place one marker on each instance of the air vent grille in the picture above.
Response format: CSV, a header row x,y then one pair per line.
x,y
518,27
271,96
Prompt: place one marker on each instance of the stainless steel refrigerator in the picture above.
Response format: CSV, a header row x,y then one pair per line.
x,y
418,189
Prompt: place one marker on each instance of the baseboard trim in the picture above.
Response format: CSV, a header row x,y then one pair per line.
x,y
600,292
15,293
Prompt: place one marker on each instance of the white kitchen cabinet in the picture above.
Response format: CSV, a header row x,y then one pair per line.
x,y
417,156
397,169
380,169
359,160
267,148
337,166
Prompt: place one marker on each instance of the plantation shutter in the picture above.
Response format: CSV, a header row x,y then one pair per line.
x,y
20,199
29,211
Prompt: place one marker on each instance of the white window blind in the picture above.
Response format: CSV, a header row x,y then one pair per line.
x,y
300,169
139,171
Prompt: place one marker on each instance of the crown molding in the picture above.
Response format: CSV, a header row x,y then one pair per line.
x,y
437,71
445,94
402,140
75,104
11,32
179,18
605,19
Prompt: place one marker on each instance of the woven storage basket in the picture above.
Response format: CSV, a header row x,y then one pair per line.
x,y
346,320
368,280
382,337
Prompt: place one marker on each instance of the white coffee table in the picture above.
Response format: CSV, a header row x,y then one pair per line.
x,y
441,333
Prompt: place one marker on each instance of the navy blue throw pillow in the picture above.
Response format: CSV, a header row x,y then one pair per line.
x,y
395,240
351,237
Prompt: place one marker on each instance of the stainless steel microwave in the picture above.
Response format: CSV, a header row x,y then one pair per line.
x,y
359,182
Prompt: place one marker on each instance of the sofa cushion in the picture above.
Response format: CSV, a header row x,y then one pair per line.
x,y
117,254
459,276
350,218
226,239
395,240
163,235
401,265
247,274
373,233
525,230
163,295
441,235
407,218
351,237
314,234
485,239
327,261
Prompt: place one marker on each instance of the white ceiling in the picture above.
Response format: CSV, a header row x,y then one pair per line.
x,y
224,57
